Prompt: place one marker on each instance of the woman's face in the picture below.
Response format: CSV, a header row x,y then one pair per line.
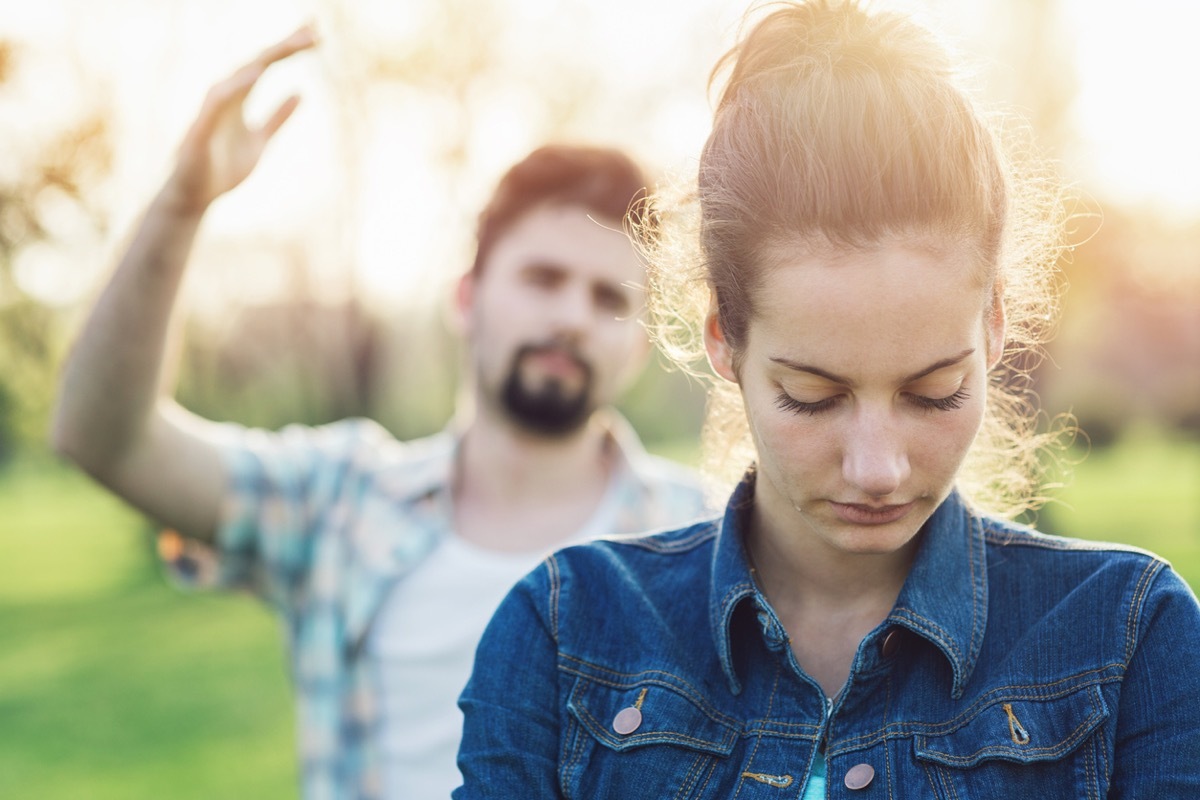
x,y
864,376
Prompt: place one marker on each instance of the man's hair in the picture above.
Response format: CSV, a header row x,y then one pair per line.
x,y
605,181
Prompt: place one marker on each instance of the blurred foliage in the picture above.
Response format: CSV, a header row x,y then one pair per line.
x,y
1129,344
47,190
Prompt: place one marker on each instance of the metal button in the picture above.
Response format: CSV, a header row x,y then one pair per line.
x,y
627,720
891,643
860,776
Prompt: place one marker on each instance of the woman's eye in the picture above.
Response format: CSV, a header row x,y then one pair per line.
x,y
947,403
788,403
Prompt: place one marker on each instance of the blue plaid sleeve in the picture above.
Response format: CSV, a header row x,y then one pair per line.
x,y
283,488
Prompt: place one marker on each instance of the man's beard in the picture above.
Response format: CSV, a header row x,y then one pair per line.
x,y
548,409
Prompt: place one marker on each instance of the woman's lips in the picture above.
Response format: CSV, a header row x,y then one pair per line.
x,y
859,514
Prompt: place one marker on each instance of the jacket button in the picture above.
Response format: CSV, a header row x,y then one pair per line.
x,y
891,643
627,720
860,776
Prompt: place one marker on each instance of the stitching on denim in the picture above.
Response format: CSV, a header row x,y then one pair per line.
x,y
928,769
685,781
1020,538
1135,606
887,750
688,780
656,544
766,718
555,586
1105,767
952,790
599,730
809,733
932,628
641,698
1015,729
1075,736
777,781
977,550
621,680
1132,614
1090,771
687,693
574,743
701,789
903,729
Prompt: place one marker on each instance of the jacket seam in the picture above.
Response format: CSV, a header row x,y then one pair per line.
x,y
1145,579
894,730
621,680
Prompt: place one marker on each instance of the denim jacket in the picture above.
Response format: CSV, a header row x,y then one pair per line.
x,y
1014,665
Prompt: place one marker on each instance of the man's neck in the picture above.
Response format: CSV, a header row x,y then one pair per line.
x,y
519,491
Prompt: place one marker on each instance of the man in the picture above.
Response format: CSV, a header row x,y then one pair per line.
x,y
386,559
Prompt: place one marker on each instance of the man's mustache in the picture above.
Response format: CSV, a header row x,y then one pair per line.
x,y
554,347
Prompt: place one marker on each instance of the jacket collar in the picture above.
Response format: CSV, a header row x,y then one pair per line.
x,y
943,600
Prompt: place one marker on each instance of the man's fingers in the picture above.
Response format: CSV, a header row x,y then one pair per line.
x,y
234,89
280,116
222,96
302,38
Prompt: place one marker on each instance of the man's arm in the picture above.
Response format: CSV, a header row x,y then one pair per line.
x,y
113,416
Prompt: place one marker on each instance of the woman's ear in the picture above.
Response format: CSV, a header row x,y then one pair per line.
x,y
997,327
720,354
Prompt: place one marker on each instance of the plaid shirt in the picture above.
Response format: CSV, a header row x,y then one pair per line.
x,y
321,523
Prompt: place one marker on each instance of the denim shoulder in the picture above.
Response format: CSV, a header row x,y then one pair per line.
x,y
1089,585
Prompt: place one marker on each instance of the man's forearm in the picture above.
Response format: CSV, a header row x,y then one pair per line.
x,y
111,380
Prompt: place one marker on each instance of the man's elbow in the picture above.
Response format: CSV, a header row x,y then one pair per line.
x,y
64,437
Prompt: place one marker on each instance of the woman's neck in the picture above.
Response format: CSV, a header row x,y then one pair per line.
x,y
826,599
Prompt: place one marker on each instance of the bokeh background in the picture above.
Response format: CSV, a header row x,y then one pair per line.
x,y
319,288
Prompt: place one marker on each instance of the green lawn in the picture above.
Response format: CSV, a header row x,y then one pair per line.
x,y
114,685
1144,490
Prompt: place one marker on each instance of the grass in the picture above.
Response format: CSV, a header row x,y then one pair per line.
x,y
1144,490
115,685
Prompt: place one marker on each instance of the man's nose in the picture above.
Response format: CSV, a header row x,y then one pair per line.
x,y
875,455
572,309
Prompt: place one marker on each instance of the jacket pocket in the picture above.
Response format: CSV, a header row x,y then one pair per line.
x,y
1019,746
655,736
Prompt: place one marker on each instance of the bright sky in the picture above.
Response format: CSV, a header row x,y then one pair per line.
x,y
358,172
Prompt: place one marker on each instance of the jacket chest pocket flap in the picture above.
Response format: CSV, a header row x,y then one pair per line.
x,y
650,713
1021,729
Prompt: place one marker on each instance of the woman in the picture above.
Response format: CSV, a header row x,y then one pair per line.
x,y
855,622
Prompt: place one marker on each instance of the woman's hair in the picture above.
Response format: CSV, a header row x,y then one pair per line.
x,y
839,128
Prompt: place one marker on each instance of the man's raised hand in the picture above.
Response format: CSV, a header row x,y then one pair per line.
x,y
219,150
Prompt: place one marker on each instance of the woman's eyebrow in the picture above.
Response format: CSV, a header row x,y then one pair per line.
x,y
950,361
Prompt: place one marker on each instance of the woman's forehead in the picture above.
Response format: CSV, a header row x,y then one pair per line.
x,y
891,302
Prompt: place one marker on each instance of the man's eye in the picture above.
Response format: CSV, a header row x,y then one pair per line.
x,y
542,277
611,300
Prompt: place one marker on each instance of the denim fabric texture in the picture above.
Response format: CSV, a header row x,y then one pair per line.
x,y
1019,665
322,522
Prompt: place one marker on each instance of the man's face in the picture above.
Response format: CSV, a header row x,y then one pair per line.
x,y
552,320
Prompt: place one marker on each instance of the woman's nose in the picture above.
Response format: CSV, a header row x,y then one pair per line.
x,y
875,456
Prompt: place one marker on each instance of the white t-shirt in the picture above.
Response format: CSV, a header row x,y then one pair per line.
x,y
422,646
